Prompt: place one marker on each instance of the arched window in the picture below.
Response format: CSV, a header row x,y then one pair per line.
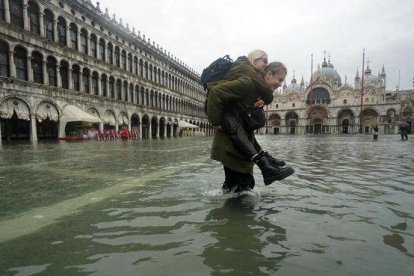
x,y
61,30
2,11
131,93
112,87
95,83
110,54
117,56
64,74
93,46
130,63
136,95
141,68
119,89
51,71
85,80
33,12
150,72
16,13
20,59
75,77
123,60
73,36
142,95
146,70
125,91
4,59
37,66
84,41
103,85
136,65
102,49
49,30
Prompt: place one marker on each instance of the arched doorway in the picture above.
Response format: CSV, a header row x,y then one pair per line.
x,y
175,128
145,127
47,121
14,120
275,122
345,121
292,121
154,127
318,118
369,117
135,124
162,127
169,127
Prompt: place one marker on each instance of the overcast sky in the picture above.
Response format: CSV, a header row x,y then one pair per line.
x,y
199,31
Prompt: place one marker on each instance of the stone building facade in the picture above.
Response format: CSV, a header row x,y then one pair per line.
x,y
329,106
63,59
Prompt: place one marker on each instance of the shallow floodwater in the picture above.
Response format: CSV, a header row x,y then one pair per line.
x,y
155,207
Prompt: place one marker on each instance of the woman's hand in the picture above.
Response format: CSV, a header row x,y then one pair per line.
x,y
259,103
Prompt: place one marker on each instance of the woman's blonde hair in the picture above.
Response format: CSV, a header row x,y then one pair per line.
x,y
255,55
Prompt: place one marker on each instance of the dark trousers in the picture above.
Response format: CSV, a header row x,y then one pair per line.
x,y
232,125
237,181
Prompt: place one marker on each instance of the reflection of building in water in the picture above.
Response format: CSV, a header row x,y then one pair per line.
x,y
330,106
60,56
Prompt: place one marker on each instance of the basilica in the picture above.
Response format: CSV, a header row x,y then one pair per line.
x,y
67,66
327,105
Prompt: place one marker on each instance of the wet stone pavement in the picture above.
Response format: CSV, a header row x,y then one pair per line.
x,y
155,207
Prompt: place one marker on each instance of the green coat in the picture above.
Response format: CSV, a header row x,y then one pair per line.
x,y
243,92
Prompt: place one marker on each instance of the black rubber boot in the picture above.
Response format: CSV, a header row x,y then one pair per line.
x,y
270,173
273,161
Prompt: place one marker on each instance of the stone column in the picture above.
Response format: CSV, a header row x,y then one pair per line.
x,y
165,130
107,86
29,69
158,131
26,21
12,65
7,10
99,85
42,24
129,125
68,35
78,40
101,126
33,129
140,130
45,74
58,78
150,130
70,81
90,84
80,79
116,126
55,31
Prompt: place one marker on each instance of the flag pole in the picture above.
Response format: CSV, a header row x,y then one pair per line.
x,y
362,89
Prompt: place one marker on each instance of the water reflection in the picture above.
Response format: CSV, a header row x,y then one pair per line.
x,y
241,236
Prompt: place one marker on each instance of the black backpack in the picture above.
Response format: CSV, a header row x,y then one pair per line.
x,y
216,70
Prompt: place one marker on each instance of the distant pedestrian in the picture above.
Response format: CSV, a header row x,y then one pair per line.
x,y
375,129
404,131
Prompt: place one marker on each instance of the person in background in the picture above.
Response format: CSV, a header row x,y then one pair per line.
x,y
375,129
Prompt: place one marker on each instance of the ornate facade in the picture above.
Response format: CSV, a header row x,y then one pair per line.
x,y
59,57
327,105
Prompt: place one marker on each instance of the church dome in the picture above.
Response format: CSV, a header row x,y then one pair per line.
x,y
370,79
293,86
327,73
